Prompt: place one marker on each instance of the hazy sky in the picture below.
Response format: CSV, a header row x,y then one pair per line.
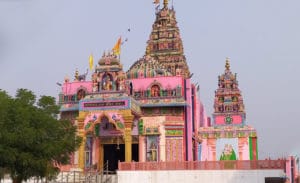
x,y
42,41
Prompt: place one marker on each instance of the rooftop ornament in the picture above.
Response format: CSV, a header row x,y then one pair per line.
x,y
227,65
166,3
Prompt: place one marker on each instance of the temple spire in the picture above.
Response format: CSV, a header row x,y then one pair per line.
x,y
227,65
165,43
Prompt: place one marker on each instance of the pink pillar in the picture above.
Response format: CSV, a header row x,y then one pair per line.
x,y
142,149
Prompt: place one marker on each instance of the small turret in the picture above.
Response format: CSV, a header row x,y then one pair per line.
x,y
228,103
109,74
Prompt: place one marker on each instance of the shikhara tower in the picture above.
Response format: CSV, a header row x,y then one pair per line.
x,y
165,44
228,137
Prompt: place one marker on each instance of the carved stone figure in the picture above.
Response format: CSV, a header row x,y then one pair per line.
x,y
83,76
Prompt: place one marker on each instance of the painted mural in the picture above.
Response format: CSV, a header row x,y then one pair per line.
x,y
227,149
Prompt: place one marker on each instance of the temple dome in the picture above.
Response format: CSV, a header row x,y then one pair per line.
x,y
147,67
109,60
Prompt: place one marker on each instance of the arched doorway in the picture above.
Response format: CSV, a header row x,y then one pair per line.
x,y
104,142
113,145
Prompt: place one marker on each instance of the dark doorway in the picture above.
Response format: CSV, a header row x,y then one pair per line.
x,y
135,152
114,153
274,180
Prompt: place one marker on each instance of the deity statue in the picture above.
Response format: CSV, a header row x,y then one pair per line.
x,y
153,151
108,83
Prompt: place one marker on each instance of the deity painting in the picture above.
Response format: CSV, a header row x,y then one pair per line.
x,y
227,149
152,148
228,153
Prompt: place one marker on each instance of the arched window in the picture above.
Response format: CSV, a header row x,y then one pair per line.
x,y
106,125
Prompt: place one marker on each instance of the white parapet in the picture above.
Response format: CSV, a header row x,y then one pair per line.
x,y
196,176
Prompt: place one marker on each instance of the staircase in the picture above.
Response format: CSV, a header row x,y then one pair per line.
x,y
78,176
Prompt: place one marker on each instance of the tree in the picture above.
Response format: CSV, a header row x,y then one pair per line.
x,y
32,141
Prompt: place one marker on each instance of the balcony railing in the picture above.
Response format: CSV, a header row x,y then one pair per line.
x,y
204,165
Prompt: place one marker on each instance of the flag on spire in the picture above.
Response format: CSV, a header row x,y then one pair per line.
x,y
117,48
91,62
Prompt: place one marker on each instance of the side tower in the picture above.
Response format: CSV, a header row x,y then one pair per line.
x,y
228,104
228,138
165,43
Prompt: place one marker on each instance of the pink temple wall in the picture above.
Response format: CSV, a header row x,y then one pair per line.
x,y
199,115
288,169
166,82
197,124
70,88
197,112
208,150
244,148
236,119
189,134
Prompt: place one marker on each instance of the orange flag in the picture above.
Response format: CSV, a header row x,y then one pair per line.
x,y
117,48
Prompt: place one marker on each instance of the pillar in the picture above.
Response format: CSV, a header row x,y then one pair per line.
x,y
128,144
142,149
127,137
81,155
80,129
101,156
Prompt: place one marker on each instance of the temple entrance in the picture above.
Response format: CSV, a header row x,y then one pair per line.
x,y
114,153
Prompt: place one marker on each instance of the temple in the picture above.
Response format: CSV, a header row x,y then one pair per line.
x,y
228,137
153,112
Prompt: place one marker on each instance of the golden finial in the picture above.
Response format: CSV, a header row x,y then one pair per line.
x,y
166,3
227,65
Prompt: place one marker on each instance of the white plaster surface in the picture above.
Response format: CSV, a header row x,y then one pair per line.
x,y
196,176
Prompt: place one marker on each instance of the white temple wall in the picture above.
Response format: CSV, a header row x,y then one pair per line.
x,y
196,176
